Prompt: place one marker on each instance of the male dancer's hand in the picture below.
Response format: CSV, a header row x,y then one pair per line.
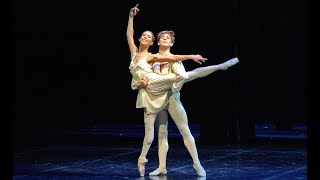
x,y
144,81
198,58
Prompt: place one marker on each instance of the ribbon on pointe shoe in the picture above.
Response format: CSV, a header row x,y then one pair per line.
x,y
141,166
231,62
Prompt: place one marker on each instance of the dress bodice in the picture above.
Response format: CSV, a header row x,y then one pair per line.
x,y
140,68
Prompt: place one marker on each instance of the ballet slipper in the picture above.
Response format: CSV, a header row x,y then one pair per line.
x,y
200,172
158,172
141,165
227,64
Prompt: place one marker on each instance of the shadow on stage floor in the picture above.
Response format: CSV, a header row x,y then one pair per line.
x,y
111,152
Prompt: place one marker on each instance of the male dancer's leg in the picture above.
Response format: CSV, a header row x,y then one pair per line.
x,y
163,146
180,118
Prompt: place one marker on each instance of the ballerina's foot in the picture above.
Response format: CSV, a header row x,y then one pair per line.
x,y
231,62
158,172
141,166
200,171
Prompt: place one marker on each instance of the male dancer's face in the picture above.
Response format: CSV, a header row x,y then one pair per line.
x,y
165,40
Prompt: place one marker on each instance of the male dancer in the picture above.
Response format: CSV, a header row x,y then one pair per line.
x,y
166,40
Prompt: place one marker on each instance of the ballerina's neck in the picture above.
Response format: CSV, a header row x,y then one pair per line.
x,y
139,56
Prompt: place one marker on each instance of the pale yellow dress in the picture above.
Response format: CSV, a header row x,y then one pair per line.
x,y
154,97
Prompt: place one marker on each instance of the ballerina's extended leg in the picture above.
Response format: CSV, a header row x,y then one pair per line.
x,y
205,71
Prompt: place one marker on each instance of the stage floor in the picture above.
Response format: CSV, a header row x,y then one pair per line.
x,y
111,153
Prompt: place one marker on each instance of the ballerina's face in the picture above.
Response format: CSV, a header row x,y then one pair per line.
x,y
147,38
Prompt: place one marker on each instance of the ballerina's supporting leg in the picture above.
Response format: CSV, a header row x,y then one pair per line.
x,y
205,71
149,120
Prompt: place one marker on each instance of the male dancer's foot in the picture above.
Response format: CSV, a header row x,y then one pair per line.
x,y
158,172
227,64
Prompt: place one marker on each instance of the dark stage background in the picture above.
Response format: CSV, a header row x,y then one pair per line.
x,y
71,63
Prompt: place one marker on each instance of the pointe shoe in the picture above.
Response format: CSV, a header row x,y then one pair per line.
x,y
141,166
227,64
200,172
158,172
